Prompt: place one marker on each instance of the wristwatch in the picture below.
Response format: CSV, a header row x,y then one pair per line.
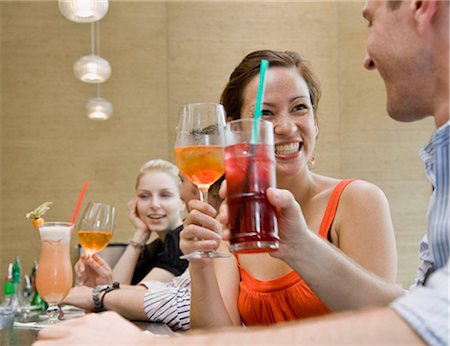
x,y
98,303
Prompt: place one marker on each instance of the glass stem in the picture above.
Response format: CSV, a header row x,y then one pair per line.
x,y
203,193
53,313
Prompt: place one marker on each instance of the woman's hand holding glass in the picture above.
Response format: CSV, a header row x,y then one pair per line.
x,y
201,232
92,271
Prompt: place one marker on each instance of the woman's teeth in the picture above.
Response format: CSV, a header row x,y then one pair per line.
x,y
286,149
156,216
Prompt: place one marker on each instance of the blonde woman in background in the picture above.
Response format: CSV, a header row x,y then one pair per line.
x,y
153,299
157,207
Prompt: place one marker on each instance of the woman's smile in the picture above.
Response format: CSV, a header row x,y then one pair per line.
x,y
288,150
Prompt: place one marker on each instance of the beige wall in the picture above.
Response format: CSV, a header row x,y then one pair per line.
x,y
164,54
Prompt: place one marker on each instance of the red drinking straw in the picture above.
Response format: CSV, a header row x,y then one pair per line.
x,y
80,200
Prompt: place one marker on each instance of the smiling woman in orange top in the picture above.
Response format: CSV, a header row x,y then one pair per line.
x,y
352,215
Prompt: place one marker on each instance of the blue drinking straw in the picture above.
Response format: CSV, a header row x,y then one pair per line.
x,y
259,101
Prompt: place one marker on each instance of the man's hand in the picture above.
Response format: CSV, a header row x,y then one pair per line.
x,y
107,328
292,227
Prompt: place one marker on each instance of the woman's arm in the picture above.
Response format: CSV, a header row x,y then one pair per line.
x,y
213,301
158,274
124,269
152,301
127,301
364,229
169,303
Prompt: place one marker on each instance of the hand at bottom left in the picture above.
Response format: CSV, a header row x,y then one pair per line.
x,y
107,328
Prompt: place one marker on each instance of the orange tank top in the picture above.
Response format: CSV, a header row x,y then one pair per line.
x,y
288,297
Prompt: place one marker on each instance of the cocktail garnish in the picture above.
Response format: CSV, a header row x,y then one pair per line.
x,y
37,213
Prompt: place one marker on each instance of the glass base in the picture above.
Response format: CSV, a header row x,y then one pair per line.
x,y
47,322
255,246
205,254
53,312
27,313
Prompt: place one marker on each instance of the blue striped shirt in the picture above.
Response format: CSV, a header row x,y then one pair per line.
x,y
426,307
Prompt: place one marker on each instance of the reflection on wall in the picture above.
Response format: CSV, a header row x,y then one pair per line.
x,y
165,54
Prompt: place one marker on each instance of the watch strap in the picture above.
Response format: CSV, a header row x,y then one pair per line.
x,y
114,286
98,303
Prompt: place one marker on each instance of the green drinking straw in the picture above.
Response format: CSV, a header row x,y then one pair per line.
x,y
259,101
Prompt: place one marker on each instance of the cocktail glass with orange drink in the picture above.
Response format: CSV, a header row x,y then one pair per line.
x,y
54,277
199,151
96,227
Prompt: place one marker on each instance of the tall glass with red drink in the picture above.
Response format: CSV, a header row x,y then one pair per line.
x,y
249,171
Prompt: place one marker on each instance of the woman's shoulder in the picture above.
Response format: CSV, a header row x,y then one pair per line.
x,y
361,190
363,198
361,204
351,191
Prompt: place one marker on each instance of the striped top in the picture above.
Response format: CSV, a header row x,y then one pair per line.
x,y
426,307
169,302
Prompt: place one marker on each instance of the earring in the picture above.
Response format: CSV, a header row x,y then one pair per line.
x,y
312,162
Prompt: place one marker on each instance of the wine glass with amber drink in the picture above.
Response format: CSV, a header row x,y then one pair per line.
x,y
96,227
199,151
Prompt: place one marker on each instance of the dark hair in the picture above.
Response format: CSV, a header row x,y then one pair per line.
x,y
233,95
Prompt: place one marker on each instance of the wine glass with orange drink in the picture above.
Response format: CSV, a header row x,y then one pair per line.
x,y
199,151
96,227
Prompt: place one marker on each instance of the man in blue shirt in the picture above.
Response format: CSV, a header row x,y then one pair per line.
x,y
409,46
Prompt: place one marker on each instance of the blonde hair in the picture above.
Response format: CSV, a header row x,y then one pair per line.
x,y
161,165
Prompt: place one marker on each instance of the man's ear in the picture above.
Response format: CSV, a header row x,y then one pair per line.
x,y
424,10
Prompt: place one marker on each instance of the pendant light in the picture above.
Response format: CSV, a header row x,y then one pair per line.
x,y
98,108
83,11
93,68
